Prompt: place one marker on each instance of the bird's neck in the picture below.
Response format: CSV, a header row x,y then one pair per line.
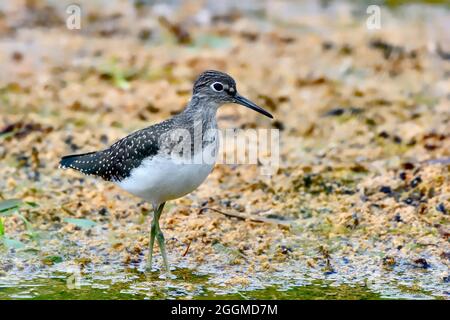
x,y
202,112
199,118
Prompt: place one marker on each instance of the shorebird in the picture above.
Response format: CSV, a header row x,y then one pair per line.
x,y
170,159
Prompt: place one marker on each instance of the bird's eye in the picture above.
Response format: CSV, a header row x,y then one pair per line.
x,y
217,86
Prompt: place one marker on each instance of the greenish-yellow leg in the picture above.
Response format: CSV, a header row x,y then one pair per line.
x,y
155,232
152,242
162,246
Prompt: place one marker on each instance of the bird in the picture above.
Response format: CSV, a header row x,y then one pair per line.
x,y
170,159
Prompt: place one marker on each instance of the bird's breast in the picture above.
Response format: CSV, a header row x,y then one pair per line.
x,y
165,177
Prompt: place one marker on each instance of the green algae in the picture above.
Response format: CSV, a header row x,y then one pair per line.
x,y
317,291
182,284
62,287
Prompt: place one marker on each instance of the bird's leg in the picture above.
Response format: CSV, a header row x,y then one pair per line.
x,y
152,237
155,232
160,239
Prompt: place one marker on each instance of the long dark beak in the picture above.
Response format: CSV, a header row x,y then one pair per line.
x,y
247,103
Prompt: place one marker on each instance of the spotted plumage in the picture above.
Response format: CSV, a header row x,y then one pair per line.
x,y
116,162
147,162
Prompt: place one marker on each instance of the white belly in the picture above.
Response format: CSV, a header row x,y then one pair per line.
x,y
160,179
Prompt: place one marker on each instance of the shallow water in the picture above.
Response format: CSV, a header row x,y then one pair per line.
x,y
61,287
297,282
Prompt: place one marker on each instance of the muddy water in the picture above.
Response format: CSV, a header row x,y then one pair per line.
x,y
133,286
26,275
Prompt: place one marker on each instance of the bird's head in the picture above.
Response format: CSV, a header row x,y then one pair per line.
x,y
220,88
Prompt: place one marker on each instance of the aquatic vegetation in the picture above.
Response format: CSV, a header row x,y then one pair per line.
x,y
10,208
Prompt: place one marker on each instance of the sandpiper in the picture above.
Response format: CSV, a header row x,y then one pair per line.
x,y
149,164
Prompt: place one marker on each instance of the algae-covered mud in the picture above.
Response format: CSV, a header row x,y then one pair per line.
x,y
358,207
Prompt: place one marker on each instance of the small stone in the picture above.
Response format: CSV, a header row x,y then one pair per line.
x,y
408,166
388,261
445,255
415,182
17,56
421,263
145,34
397,139
103,211
278,125
285,249
383,134
386,189
327,45
441,208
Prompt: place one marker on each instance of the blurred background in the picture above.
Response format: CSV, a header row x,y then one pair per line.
x,y
359,207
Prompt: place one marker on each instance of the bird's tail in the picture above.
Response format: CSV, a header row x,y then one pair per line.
x,y
84,162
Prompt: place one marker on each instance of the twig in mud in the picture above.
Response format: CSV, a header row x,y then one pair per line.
x,y
240,217
443,160
187,249
234,215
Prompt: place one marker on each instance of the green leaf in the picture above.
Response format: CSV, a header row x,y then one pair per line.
x,y
32,204
121,82
49,260
32,250
10,205
28,225
2,228
82,223
7,213
7,134
117,75
12,243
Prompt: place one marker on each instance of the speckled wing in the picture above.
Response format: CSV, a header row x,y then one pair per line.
x,y
116,162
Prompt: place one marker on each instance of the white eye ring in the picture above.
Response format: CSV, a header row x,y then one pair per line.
x,y
219,85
